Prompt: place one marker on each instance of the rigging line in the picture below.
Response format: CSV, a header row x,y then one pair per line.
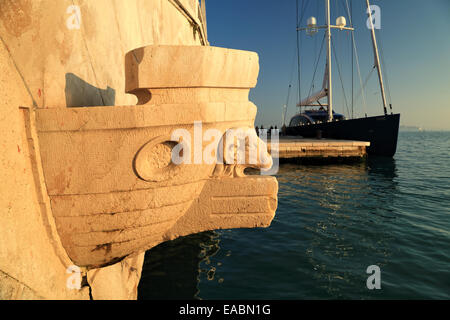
x,y
343,6
340,75
359,72
298,49
354,53
303,10
315,38
286,106
289,89
292,68
315,46
299,37
385,69
335,52
365,82
351,25
349,11
316,65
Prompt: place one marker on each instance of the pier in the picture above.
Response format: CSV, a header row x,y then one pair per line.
x,y
294,149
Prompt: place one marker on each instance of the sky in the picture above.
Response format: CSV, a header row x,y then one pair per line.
x,y
414,42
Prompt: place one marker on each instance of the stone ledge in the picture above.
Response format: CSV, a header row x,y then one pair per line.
x,y
189,67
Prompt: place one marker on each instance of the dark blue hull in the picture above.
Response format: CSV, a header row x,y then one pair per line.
x,y
380,131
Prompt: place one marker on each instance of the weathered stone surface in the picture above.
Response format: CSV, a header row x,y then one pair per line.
x,y
190,67
117,282
108,200
31,256
61,65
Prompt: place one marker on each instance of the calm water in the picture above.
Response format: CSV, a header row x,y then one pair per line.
x,y
332,222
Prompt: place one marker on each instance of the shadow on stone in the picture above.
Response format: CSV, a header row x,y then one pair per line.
x,y
79,93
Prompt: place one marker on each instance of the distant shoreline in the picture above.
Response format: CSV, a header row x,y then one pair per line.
x,y
419,129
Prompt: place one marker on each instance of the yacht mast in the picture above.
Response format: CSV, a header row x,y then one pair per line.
x,y
330,88
327,88
377,58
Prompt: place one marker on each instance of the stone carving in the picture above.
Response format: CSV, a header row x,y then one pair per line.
x,y
153,162
242,149
106,208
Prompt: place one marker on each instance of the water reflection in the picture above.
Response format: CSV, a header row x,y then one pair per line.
x,y
171,270
344,212
333,221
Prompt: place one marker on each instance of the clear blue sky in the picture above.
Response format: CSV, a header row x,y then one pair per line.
x,y
415,40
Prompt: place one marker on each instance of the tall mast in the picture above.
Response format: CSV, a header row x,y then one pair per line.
x,y
298,57
327,88
377,58
330,88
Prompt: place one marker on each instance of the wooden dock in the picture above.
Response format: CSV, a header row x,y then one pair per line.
x,y
294,149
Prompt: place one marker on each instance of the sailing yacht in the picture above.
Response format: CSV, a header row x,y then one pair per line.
x,y
381,131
